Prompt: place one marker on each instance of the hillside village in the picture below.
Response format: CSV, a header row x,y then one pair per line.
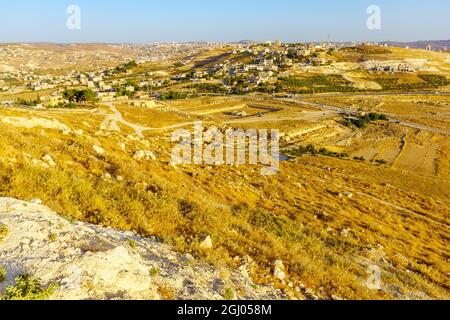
x,y
236,69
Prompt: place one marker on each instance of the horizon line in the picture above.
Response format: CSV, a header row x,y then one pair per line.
x,y
214,42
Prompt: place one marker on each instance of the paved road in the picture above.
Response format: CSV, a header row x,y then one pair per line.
x,y
392,119
419,126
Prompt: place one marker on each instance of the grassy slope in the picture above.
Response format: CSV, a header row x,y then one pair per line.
x,y
296,215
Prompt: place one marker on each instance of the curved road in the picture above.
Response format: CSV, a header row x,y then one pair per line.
x,y
112,120
392,120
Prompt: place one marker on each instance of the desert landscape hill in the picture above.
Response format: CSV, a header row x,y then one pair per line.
x,y
363,182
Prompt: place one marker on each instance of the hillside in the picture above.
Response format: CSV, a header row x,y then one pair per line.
x,y
363,179
435,44
82,261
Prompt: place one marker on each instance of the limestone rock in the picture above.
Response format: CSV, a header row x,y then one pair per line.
x,y
36,201
279,270
348,194
98,150
49,160
91,262
144,155
206,243
35,122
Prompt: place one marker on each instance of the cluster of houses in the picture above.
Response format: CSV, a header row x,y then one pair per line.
x,y
247,65
164,51
26,78
261,63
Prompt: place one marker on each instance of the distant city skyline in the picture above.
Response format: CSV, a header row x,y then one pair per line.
x,y
136,21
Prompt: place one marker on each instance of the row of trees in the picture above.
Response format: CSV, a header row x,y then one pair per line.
x,y
173,96
435,80
310,149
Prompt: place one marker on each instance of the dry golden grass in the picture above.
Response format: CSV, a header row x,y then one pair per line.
x,y
396,219
150,117
297,216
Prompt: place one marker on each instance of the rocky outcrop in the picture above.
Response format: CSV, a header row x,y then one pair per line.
x,y
35,122
86,261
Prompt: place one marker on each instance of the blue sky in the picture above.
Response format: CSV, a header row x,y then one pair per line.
x,y
222,20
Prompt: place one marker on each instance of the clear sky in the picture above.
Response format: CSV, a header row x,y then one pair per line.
x,y
141,21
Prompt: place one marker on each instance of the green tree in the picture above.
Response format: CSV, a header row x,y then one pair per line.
x,y
69,94
79,96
